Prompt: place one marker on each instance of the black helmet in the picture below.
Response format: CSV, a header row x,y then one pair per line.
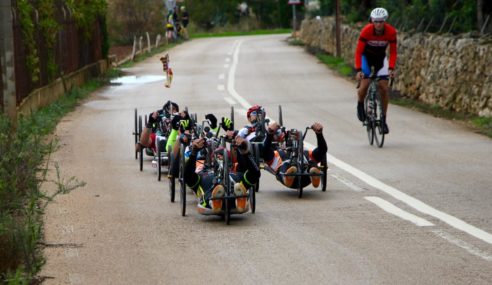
x,y
167,107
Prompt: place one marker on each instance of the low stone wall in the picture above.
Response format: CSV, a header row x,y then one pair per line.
x,y
454,72
48,94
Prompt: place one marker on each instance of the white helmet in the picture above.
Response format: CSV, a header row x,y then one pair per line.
x,y
379,14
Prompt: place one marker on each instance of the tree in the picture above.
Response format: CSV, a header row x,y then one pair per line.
x,y
129,18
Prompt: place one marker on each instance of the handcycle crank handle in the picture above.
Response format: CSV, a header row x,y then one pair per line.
x,y
358,84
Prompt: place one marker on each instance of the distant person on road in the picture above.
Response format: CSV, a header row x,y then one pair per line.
x,y
371,53
185,16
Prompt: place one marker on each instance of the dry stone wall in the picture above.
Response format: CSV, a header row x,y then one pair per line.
x,y
454,72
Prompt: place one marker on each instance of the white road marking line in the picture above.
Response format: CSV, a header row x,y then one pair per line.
x,y
226,65
230,100
409,200
220,87
392,209
466,246
222,76
227,59
347,183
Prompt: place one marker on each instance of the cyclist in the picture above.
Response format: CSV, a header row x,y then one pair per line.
x,y
205,185
251,132
278,159
149,133
371,52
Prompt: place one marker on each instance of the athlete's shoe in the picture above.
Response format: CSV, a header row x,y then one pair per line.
x,y
361,114
217,194
289,180
316,178
385,126
241,202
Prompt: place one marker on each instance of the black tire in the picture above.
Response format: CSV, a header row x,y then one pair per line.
x,y
141,154
159,161
227,185
252,199
369,120
136,134
300,163
146,120
378,121
232,113
280,118
256,152
172,181
182,184
324,169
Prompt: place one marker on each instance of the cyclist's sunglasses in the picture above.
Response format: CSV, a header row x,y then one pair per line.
x,y
378,22
254,113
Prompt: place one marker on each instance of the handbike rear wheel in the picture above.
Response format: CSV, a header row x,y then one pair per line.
x,y
181,179
172,181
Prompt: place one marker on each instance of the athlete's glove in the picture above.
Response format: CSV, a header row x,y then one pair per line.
x,y
212,119
227,124
175,122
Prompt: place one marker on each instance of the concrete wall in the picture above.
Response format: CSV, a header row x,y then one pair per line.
x,y
48,94
454,72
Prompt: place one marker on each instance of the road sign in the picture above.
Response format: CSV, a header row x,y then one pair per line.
x,y
294,2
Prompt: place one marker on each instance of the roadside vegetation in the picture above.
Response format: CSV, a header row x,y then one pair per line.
x,y
25,159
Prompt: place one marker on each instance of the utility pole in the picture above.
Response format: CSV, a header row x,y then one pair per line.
x,y
7,61
337,28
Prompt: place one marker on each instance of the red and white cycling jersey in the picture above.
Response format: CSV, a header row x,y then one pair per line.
x,y
373,46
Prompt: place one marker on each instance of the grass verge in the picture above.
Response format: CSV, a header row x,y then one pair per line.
x,y
25,160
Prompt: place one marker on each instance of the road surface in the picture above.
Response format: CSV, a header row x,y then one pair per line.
x,y
417,211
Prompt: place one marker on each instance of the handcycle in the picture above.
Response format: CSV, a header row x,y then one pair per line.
x,y
293,146
261,133
373,108
217,162
161,129
176,161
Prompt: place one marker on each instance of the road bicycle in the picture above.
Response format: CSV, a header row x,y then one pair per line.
x,y
373,108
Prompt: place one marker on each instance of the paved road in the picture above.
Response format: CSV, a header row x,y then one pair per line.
x,y
418,211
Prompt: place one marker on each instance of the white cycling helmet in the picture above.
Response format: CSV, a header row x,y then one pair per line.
x,y
379,14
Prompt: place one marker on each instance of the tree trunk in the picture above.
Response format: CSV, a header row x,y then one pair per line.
x,y
479,14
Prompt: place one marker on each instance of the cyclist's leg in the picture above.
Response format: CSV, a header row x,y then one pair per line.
x,y
361,93
383,73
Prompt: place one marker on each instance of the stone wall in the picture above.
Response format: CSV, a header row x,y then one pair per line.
x,y
454,72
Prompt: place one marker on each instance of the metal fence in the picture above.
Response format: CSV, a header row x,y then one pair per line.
x,y
73,49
